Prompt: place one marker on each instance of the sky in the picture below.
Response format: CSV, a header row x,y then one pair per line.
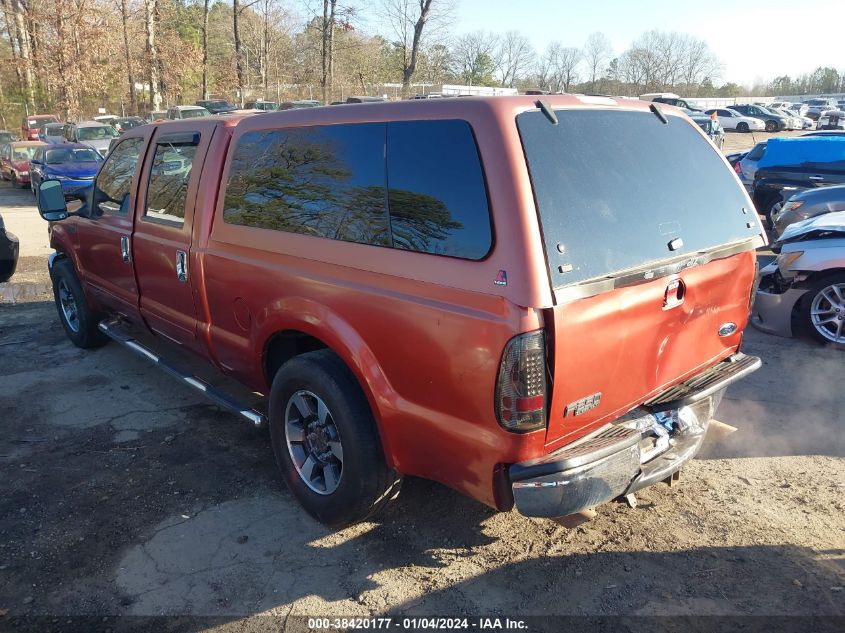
x,y
755,41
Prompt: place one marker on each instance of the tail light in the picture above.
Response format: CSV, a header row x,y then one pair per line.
x,y
521,387
738,168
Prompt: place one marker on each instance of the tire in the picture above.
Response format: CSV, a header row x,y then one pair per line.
x,y
772,203
77,317
742,127
771,126
14,180
349,479
822,310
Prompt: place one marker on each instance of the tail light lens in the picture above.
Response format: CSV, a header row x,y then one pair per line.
x,y
521,387
738,168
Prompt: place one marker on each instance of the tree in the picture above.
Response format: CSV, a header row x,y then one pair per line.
x,y
153,76
513,57
130,77
597,52
327,49
473,56
408,19
558,68
205,49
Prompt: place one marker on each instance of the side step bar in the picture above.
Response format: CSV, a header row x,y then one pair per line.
x,y
224,400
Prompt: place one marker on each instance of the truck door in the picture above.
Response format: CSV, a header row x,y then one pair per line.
x,y
105,235
162,239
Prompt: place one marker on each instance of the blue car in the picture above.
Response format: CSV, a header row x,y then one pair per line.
x,y
73,164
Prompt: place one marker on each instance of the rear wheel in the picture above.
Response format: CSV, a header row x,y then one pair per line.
x,y
742,127
823,310
326,442
771,126
14,180
77,317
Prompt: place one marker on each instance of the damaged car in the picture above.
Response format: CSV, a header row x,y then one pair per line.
x,y
803,289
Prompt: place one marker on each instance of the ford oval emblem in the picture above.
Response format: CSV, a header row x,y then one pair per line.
x,y
726,329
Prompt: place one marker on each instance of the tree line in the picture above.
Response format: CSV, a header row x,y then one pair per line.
x,y
71,57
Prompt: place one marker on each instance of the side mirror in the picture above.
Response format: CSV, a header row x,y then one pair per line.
x,y
51,201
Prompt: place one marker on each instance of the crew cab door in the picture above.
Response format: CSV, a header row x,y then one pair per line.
x,y
163,227
104,252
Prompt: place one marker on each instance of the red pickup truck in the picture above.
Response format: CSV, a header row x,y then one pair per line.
x,y
537,303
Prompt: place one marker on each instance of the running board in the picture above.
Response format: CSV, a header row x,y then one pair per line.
x,y
224,400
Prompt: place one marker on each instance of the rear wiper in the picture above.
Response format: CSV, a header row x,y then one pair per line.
x,y
547,111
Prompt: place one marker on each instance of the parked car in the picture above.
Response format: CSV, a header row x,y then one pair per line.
x,y
91,133
799,108
52,133
261,105
9,249
832,120
7,137
803,290
14,161
216,106
793,121
295,105
733,120
773,122
187,112
746,167
310,269
669,98
74,165
790,165
31,124
156,115
364,99
127,123
817,107
808,204
824,133
780,105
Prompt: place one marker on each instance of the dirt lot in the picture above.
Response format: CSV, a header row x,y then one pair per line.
x,y
126,494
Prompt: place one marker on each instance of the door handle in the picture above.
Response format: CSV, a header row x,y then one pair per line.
x,y
182,266
124,248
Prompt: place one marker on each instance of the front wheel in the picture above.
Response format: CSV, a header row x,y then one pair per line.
x,y
771,126
742,127
77,317
823,310
326,443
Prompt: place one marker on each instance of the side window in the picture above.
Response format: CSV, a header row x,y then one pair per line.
x,y
167,188
114,181
436,191
325,181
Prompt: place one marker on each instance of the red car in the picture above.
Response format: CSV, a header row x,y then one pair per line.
x,y
31,124
14,161
537,303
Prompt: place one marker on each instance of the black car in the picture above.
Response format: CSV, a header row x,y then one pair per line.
x,y
774,122
217,106
796,164
8,253
127,123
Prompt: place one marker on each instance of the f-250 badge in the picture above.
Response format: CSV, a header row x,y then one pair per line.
x,y
583,405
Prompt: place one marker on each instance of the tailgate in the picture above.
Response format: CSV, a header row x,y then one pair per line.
x,y
613,351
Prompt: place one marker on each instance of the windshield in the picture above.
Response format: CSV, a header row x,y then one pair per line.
x,y
192,114
617,190
54,130
64,155
37,124
99,133
23,153
217,106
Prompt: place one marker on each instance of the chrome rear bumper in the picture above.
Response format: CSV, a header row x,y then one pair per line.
x,y
644,447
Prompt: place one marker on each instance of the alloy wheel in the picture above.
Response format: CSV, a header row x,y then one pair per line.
x,y
69,308
827,312
313,442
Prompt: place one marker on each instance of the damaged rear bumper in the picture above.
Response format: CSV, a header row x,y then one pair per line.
x,y
646,446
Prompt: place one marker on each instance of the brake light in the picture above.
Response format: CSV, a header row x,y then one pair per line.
x,y
738,168
521,386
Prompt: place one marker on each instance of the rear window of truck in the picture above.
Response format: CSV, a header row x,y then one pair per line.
x,y
619,190
411,185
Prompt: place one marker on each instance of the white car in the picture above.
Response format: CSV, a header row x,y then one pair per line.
x,y
832,120
799,108
733,120
794,122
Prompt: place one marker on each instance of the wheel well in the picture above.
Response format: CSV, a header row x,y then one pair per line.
x,y
283,346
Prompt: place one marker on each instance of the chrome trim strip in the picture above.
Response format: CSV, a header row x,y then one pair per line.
x,y
217,396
